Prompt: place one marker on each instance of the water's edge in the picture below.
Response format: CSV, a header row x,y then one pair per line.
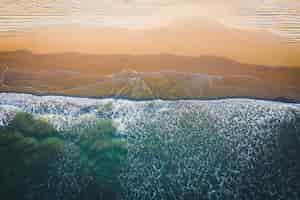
x,y
278,99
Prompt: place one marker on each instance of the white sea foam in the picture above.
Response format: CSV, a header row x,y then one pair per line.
x,y
64,112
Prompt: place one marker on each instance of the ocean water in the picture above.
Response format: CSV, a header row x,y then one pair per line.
x,y
54,147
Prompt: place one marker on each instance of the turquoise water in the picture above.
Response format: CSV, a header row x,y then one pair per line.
x,y
38,162
228,149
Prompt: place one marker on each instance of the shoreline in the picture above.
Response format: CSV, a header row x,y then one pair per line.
x,y
113,97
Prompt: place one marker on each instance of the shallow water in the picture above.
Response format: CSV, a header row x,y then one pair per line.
x,y
78,148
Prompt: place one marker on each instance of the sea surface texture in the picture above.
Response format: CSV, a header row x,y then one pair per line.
x,y
181,149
